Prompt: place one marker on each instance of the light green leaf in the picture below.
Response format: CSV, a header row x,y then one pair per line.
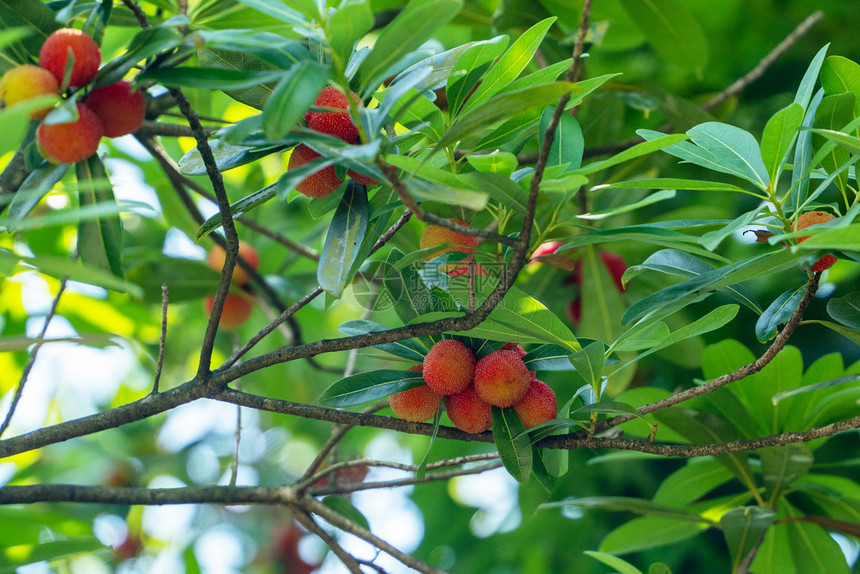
x,y
352,20
470,67
846,309
677,184
644,148
510,64
622,566
779,134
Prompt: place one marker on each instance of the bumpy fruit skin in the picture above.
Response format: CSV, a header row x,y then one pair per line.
x,y
814,218
361,178
237,310
119,108
26,82
217,257
501,378
418,404
337,124
468,411
54,53
319,184
73,141
436,234
449,367
538,405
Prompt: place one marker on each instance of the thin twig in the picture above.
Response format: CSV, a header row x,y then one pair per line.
x,y
162,339
234,473
736,375
31,360
310,524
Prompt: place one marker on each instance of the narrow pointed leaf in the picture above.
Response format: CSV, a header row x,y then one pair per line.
x,y
743,527
343,242
99,239
366,387
778,313
514,446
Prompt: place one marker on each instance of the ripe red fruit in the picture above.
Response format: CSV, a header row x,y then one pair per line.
x,y
217,257
468,411
814,218
120,108
54,54
73,141
436,234
361,178
26,82
449,367
538,405
418,404
237,310
501,378
337,124
319,184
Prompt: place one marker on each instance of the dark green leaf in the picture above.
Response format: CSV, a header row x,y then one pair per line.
x,y
846,309
589,363
778,313
743,527
803,153
677,184
186,280
832,114
100,239
366,387
499,187
514,446
209,78
411,28
277,10
628,504
293,95
781,466
343,241
343,506
33,15
662,142
672,29
548,358
408,349
840,75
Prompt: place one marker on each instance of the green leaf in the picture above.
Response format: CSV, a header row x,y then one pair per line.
x,y
37,18
650,234
589,363
470,199
814,551
720,147
628,207
15,121
63,267
503,105
293,95
659,568
628,504
803,153
524,314
743,527
343,506
846,309
778,313
209,78
407,290
674,262
677,184
499,187
499,162
99,239
712,239
239,208
49,551
37,185
411,28
568,145
366,387
408,349
622,566
840,75
703,428
352,20
653,144
672,29
844,238
515,449
833,113
548,358
186,280
343,241
807,84
646,532
510,64
470,67
277,10
781,466
779,133
692,482
422,466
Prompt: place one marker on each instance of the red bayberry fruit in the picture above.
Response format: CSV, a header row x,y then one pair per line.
x,y
538,405
449,367
337,124
72,141
468,411
120,108
319,184
501,378
55,52
814,218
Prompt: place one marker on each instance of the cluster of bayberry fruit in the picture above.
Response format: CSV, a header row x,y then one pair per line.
x,y
333,123
111,111
470,388
237,306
